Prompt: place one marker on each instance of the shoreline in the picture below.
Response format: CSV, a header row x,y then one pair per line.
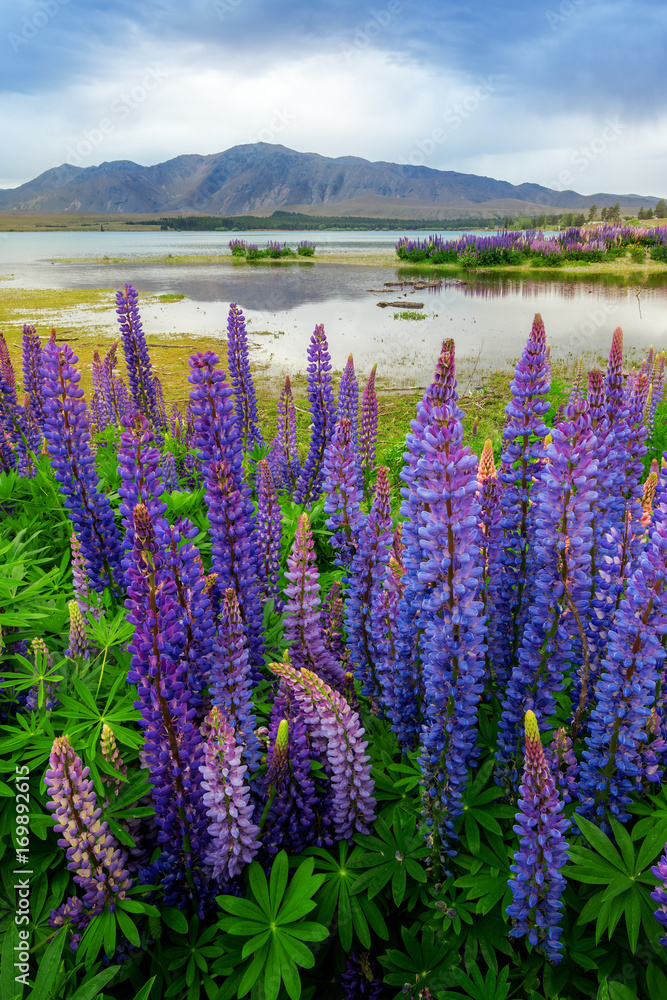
x,y
617,267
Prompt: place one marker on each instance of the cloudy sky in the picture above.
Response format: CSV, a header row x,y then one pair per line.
x,y
566,93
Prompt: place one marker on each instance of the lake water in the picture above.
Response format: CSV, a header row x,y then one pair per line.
x,y
489,316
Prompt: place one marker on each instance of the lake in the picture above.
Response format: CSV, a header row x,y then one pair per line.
x,y
489,316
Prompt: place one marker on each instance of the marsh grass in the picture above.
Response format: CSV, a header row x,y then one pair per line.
x,y
410,314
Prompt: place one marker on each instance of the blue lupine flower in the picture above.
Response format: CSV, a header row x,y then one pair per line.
x,y
68,441
245,399
137,358
538,883
323,412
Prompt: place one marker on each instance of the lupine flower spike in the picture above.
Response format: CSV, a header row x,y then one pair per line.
x,y
245,399
233,834
93,854
538,883
323,411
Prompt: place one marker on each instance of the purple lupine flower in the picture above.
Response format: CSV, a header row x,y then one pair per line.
x,y
522,459
68,442
172,744
168,471
71,914
245,399
231,511
83,592
234,555
196,611
657,390
371,556
233,835
78,639
341,489
323,413
92,852
114,389
287,469
563,765
625,691
453,629
613,382
347,766
348,399
361,978
43,664
122,396
32,372
604,533
269,536
561,568
231,679
659,894
490,541
542,852
333,629
137,358
408,675
348,408
10,414
99,406
369,422
29,440
302,616
98,414
111,754
385,624
7,370
138,461
289,789
215,431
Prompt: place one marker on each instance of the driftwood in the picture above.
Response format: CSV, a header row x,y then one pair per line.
x,y
400,388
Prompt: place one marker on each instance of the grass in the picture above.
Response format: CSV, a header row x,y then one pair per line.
x,y
170,297
410,314
77,222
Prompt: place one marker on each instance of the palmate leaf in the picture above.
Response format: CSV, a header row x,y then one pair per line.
x,y
624,872
494,987
424,961
354,913
394,855
272,924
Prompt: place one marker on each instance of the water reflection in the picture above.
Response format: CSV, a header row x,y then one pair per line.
x,y
489,315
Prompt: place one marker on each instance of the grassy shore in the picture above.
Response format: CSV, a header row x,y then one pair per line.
x,y
620,266
483,395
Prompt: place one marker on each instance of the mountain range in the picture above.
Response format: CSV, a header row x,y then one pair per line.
x,y
259,178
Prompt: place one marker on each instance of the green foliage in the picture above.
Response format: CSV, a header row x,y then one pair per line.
x,y
270,920
625,872
425,962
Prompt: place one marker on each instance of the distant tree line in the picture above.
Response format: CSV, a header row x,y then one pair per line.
x,y
298,221
567,219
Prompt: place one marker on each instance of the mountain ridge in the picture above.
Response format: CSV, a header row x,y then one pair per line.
x,y
262,177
